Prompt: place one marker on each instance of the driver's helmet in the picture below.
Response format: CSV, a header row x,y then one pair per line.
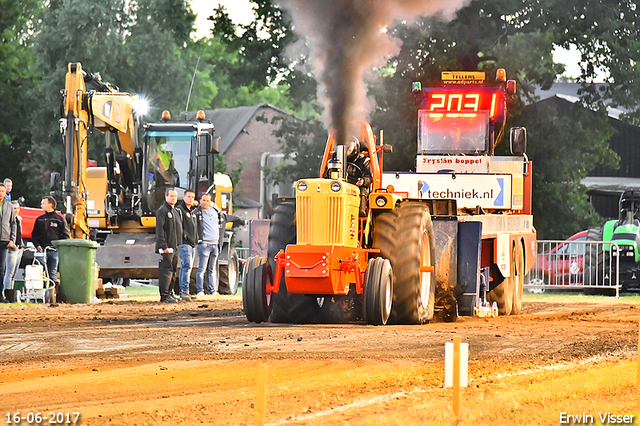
x,y
353,149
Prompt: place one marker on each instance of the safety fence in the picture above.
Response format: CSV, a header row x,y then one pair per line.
x,y
243,255
591,266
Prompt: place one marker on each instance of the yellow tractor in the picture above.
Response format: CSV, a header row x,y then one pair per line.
x,y
326,262
453,237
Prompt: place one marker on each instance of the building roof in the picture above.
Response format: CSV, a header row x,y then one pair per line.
x,y
610,185
569,92
230,122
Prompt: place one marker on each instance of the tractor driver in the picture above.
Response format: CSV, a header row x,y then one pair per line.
x,y
456,141
359,171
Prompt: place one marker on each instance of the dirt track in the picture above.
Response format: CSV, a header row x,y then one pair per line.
x,y
195,362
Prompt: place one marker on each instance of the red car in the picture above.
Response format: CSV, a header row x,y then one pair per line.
x,y
29,216
559,263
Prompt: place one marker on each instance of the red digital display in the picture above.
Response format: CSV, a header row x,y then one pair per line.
x,y
462,100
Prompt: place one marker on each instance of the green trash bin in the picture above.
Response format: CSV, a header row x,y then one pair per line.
x,y
77,269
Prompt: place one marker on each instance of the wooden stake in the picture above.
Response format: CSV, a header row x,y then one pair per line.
x,y
261,394
456,377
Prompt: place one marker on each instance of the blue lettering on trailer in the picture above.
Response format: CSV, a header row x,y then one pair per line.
x,y
489,191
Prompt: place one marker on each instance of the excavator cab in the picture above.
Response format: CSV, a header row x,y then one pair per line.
x,y
179,155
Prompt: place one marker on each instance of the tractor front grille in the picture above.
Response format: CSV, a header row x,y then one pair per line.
x,y
320,219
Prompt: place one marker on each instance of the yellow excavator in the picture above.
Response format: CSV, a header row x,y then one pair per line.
x,y
115,205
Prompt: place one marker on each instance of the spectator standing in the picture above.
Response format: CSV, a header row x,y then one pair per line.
x,y
209,218
49,227
14,255
189,240
8,183
168,239
7,233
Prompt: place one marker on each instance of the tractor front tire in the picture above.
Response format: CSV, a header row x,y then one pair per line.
x,y
378,291
289,308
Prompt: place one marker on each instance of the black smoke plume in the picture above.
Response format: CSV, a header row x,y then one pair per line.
x,y
347,38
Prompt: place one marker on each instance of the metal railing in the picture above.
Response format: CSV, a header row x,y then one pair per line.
x,y
575,265
243,253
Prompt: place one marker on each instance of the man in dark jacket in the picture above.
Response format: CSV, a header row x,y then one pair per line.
x,y
168,238
189,240
49,227
7,231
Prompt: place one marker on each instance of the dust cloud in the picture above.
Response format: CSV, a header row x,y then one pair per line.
x,y
346,38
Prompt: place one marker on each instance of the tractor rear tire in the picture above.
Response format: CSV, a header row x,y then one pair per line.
x,y
228,281
405,237
255,300
289,308
378,291
517,279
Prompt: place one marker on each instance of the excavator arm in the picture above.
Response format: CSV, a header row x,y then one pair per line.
x,y
114,113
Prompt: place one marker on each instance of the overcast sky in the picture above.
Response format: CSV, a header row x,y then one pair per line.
x,y
239,11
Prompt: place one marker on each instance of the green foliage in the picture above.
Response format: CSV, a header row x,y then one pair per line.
x,y
140,47
302,143
16,80
145,47
257,69
486,35
222,167
564,147
607,34
244,95
479,38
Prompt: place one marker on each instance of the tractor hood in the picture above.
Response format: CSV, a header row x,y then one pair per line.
x,y
627,236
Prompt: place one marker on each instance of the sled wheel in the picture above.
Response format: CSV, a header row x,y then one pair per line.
x,y
228,274
502,295
517,280
256,300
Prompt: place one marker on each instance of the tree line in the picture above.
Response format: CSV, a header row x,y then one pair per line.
x,y
148,47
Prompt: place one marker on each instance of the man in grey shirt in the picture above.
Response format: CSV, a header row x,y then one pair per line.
x,y
209,216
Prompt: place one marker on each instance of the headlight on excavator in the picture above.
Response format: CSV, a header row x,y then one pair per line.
x,y
302,186
335,186
139,105
381,201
